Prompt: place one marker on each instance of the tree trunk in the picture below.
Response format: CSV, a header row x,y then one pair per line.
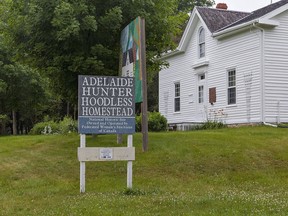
x,y
14,122
68,108
75,112
3,128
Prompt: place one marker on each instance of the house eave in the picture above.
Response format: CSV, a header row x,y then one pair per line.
x,y
268,22
170,53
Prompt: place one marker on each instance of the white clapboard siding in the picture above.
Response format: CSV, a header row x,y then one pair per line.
x,y
178,71
276,71
243,52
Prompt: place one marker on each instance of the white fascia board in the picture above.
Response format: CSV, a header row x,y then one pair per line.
x,y
186,35
268,22
235,29
170,53
184,39
183,42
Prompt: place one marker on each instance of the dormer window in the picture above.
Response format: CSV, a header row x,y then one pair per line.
x,y
201,40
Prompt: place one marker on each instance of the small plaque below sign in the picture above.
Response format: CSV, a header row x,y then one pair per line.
x,y
106,153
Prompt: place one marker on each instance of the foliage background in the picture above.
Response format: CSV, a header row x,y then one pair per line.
x,y
53,41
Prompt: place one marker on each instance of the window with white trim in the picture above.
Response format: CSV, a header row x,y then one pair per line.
x,y
231,91
177,97
201,42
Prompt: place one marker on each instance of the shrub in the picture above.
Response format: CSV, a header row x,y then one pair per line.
x,y
138,123
49,127
67,125
156,122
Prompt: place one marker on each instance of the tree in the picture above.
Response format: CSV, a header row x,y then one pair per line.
x,y
23,94
67,38
188,5
21,91
63,39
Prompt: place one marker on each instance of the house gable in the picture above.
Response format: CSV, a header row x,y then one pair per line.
x,y
212,20
221,23
184,42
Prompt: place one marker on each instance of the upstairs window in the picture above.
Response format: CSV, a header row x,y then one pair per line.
x,y
201,41
177,97
231,91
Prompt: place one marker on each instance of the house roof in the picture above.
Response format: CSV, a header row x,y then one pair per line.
x,y
223,22
258,13
216,19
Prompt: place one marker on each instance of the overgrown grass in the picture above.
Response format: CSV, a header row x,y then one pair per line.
x,y
210,125
231,171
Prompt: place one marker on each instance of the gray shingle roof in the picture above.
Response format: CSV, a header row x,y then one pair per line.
x,y
217,19
259,13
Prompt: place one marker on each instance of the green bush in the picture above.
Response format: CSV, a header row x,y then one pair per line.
x,y
49,127
156,122
67,125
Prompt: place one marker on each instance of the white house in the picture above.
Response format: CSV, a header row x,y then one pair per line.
x,y
229,66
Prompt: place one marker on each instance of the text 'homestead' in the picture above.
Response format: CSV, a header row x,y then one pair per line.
x,y
101,98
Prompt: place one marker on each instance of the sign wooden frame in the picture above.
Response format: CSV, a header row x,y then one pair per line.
x,y
106,105
94,154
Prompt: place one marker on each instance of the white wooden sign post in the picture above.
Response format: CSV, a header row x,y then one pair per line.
x,y
105,154
106,106
82,164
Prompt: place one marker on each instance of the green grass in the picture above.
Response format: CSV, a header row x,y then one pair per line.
x,y
231,171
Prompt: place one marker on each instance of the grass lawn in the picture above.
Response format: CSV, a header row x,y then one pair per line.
x,y
232,171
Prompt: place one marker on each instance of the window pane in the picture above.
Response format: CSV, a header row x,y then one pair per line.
x,y
177,89
201,36
231,78
177,104
201,41
232,95
201,94
202,77
202,50
177,97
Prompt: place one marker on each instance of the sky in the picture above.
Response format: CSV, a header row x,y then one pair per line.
x,y
245,5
